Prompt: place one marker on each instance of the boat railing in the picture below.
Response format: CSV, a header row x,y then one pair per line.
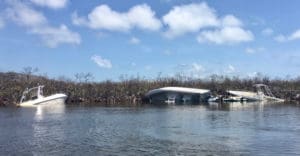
x,y
264,90
37,94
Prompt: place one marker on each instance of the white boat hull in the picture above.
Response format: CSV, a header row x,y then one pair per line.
x,y
252,96
48,100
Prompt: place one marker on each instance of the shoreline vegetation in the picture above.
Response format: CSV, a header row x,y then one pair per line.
x,y
130,91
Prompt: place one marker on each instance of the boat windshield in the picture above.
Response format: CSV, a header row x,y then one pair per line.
x,y
32,94
263,89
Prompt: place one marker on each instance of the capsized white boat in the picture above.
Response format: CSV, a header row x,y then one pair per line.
x,y
172,95
34,97
263,93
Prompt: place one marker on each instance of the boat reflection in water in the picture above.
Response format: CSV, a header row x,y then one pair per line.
x,y
44,110
47,125
230,106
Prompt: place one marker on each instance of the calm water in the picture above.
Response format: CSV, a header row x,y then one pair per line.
x,y
235,129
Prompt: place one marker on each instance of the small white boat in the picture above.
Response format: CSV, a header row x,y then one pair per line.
x,y
263,93
213,99
34,97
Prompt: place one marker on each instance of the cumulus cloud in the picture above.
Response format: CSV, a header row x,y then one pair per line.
x,y
181,19
37,23
54,4
189,18
76,20
294,36
52,37
101,62
229,32
226,35
103,17
198,17
134,40
231,21
25,16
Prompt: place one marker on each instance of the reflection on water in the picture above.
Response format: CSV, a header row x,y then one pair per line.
x,y
259,106
208,129
44,110
43,131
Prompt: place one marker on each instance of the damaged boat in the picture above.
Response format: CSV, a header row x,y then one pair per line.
x,y
172,95
34,97
263,93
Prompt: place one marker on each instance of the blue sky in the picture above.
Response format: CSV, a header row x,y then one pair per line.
x,y
110,38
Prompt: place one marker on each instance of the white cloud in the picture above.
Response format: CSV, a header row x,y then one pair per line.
x,y
294,36
197,17
76,20
230,69
267,32
179,20
101,62
54,4
229,32
253,74
226,35
230,20
103,17
134,40
55,36
25,16
141,16
197,67
189,18
37,23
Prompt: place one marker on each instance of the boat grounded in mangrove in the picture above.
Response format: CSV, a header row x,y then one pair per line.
x,y
263,93
34,97
176,95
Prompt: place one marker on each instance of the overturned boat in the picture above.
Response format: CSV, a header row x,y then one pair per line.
x,y
263,93
172,95
34,97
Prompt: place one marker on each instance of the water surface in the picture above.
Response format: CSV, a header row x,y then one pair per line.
x,y
230,129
